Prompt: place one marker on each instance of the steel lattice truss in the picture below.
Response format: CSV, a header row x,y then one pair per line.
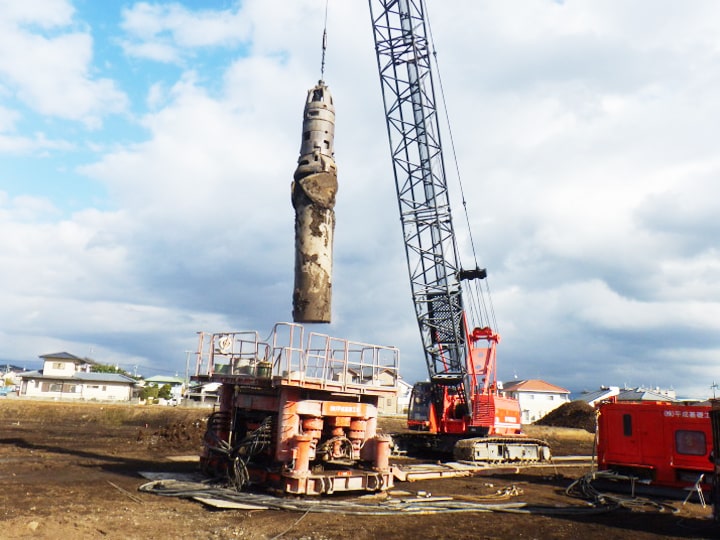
x,y
404,56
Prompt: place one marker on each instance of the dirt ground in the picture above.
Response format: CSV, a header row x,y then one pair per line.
x,y
72,471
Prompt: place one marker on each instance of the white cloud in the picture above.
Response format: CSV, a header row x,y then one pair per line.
x,y
53,75
164,32
74,286
38,142
202,155
156,96
159,52
23,209
8,119
43,13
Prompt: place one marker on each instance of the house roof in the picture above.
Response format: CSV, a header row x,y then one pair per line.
x,y
403,383
163,379
206,387
591,397
8,368
62,356
81,376
533,385
640,394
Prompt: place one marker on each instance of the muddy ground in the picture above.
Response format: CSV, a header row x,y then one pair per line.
x,y
72,471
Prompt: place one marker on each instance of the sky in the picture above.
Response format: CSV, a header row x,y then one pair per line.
x,y
147,150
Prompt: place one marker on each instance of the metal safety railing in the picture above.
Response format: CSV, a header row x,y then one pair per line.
x,y
287,357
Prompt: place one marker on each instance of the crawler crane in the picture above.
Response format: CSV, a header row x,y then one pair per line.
x,y
460,406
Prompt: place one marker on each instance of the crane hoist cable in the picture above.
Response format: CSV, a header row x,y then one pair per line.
x,y
324,43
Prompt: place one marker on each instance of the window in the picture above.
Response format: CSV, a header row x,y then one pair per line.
x,y
627,425
551,397
691,443
58,365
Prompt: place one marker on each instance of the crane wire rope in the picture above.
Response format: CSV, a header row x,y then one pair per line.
x,y
324,43
482,311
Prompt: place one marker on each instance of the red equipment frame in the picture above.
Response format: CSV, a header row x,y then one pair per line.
x,y
664,444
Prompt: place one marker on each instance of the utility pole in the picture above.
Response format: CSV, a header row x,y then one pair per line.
x,y
187,370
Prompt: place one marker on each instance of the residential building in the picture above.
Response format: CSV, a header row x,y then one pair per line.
x,y
615,393
10,376
403,397
206,393
67,376
385,377
605,393
645,394
177,384
536,397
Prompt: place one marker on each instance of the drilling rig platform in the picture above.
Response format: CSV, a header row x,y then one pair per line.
x,y
298,414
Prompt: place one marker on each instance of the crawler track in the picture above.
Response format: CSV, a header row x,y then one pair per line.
x,y
474,449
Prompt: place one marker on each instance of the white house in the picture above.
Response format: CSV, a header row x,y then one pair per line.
x,y
10,375
177,384
536,397
204,393
68,377
403,398
603,394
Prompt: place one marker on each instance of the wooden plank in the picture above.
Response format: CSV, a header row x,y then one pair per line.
x,y
228,505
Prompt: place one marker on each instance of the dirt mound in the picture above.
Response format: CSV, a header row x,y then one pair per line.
x,y
575,414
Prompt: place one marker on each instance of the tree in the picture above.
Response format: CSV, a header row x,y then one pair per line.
x,y
149,393
165,391
107,368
